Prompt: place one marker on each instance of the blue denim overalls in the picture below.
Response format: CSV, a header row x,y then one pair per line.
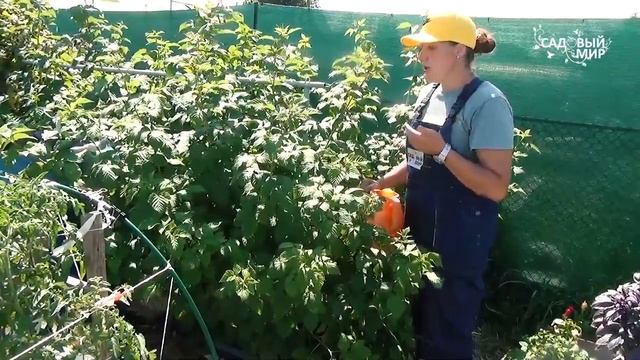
x,y
445,216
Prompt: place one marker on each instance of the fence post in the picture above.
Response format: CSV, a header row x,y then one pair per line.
x,y
94,253
255,15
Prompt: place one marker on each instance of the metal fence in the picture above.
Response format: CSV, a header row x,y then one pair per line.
x,y
578,224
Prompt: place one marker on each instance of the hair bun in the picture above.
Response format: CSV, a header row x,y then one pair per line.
x,y
484,42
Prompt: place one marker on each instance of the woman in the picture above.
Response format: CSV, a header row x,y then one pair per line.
x,y
457,169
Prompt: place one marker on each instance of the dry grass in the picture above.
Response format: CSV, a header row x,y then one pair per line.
x,y
491,343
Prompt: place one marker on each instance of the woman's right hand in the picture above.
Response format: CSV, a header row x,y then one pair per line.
x,y
395,177
370,185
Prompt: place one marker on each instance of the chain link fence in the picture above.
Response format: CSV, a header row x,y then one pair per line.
x,y
578,223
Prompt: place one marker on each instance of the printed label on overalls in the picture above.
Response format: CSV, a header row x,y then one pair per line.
x,y
415,158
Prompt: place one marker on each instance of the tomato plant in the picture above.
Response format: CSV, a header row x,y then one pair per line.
x,y
34,297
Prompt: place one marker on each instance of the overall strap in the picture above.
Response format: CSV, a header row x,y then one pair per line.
x,y
466,93
422,106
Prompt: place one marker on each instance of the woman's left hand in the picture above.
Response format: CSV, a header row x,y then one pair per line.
x,y
425,140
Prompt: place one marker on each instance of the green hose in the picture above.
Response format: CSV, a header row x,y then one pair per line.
x,y
134,229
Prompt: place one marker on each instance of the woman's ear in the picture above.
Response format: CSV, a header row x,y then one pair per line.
x,y
460,51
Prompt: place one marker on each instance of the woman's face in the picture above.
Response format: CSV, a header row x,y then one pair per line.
x,y
439,60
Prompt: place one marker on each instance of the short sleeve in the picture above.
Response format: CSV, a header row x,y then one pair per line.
x,y
492,125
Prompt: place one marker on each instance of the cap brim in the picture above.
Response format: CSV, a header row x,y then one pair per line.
x,y
416,39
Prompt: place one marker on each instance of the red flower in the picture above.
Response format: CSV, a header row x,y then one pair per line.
x,y
568,312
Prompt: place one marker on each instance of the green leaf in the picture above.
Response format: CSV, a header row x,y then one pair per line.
x,y
153,106
229,276
434,258
434,278
404,25
49,135
185,26
107,171
294,284
243,294
83,101
21,136
159,203
396,306
369,117
71,171
359,351
196,189
287,245
534,147
139,55
332,268
344,343
311,322
176,162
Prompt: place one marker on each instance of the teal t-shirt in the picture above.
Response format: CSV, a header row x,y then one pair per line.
x,y
485,122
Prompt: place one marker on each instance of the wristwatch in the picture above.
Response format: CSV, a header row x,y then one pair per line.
x,y
440,158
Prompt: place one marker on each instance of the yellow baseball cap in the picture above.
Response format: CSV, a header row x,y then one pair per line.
x,y
446,26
